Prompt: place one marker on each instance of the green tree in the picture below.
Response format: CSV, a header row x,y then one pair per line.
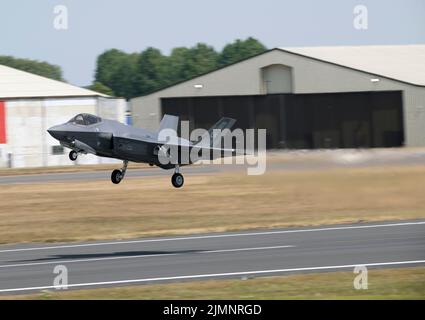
x,y
131,75
43,69
152,71
176,64
239,50
107,64
117,70
100,87
199,59
125,76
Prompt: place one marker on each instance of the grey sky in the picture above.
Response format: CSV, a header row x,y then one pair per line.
x,y
26,26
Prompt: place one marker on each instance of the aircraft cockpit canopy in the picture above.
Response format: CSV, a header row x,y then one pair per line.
x,y
85,119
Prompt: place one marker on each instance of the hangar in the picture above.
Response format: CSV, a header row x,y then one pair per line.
x,y
29,104
307,97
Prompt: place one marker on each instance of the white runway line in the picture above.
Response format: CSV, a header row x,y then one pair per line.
x,y
136,257
246,249
211,236
203,276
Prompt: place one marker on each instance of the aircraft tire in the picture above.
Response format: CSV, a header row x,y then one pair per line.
x,y
116,176
177,180
73,155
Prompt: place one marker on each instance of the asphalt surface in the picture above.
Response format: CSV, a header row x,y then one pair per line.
x,y
28,268
99,175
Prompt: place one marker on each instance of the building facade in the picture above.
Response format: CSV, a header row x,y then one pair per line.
x,y
30,104
317,97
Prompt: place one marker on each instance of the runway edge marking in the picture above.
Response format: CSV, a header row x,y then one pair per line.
x,y
201,276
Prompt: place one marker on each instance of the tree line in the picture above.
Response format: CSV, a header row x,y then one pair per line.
x,y
40,68
135,74
130,75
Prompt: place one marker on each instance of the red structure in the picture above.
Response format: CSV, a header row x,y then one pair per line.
x,y
2,122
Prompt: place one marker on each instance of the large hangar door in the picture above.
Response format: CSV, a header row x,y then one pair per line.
x,y
304,121
249,111
204,112
355,115
345,120
387,119
268,116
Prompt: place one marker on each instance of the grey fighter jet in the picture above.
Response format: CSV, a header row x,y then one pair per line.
x,y
86,133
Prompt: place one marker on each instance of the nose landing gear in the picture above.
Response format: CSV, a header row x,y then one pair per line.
x,y
118,175
73,155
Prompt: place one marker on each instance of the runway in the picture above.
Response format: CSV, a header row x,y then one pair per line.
x,y
29,268
98,175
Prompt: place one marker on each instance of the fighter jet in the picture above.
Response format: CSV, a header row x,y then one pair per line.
x,y
87,133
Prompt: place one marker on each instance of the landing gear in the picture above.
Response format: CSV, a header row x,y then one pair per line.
x,y
73,155
118,175
177,179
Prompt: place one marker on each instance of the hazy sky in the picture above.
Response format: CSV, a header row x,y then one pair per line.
x,y
27,29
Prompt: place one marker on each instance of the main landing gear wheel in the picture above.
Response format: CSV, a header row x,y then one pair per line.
x,y
73,155
177,180
117,175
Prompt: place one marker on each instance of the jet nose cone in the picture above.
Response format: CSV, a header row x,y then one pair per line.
x,y
54,132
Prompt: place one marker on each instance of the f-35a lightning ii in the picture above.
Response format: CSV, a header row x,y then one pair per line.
x,y
87,133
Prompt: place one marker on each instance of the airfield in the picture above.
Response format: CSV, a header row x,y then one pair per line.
x,y
312,213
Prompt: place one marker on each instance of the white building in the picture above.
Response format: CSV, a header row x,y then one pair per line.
x,y
30,104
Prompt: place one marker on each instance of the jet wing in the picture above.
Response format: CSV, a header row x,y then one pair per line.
x,y
212,152
183,144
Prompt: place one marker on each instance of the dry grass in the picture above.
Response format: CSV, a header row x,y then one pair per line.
x,y
406,283
70,211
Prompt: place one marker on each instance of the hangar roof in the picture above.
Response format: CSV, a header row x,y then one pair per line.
x,y
20,84
404,63
400,62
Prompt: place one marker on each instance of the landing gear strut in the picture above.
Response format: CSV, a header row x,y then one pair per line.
x,y
73,155
177,179
118,175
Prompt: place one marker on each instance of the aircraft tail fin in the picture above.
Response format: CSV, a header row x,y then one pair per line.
x,y
214,140
169,122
